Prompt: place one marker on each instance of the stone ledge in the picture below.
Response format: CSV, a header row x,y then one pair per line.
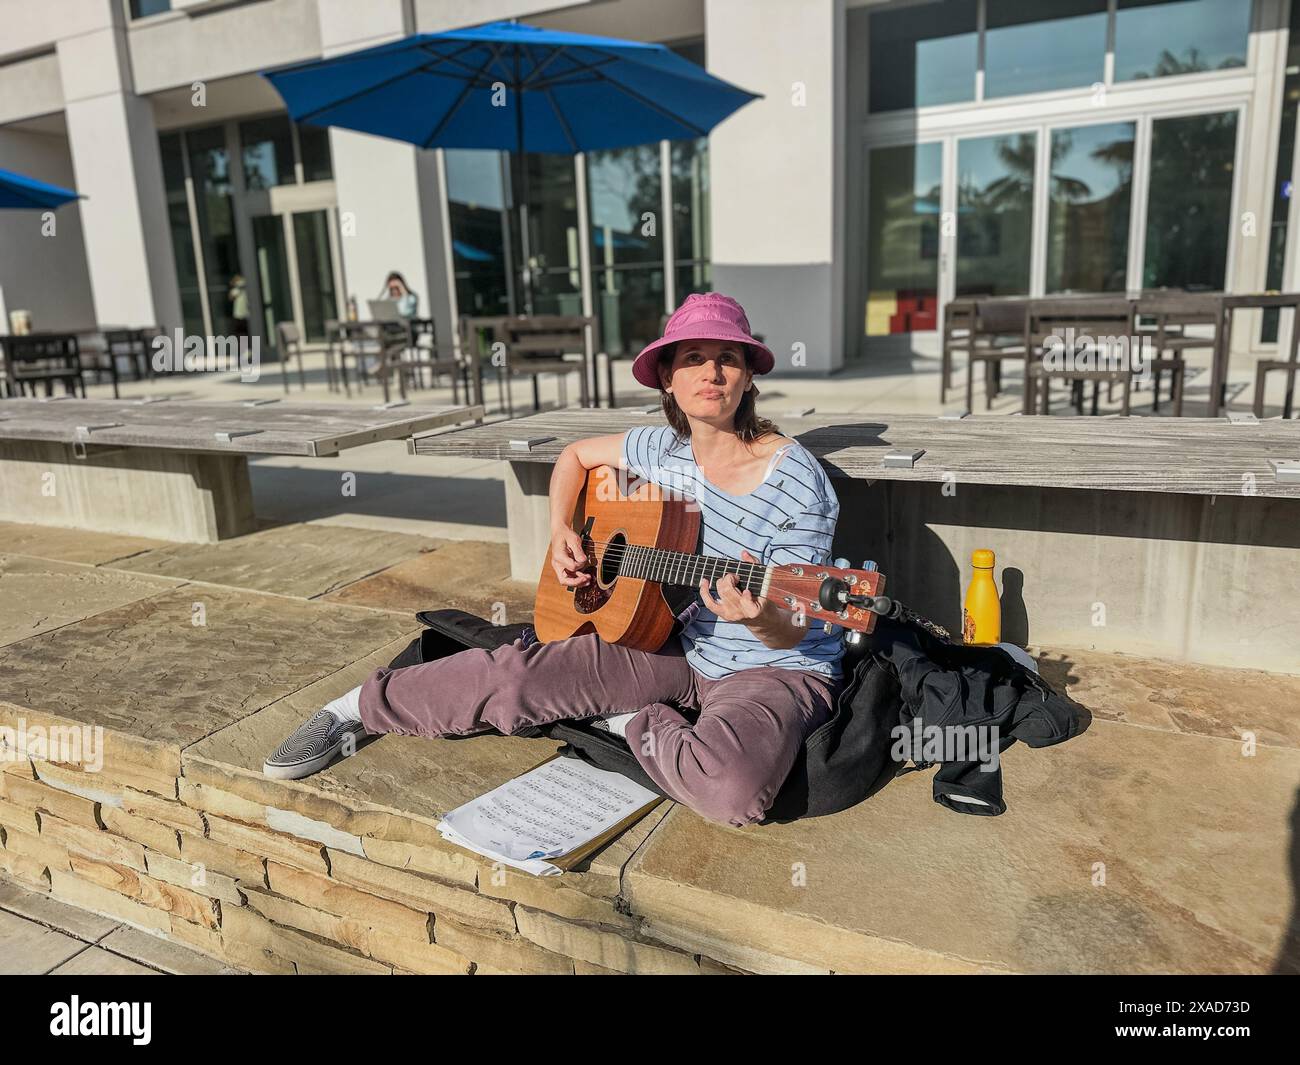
x,y
1121,851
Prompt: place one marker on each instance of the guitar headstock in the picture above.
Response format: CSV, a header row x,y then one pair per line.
x,y
799,587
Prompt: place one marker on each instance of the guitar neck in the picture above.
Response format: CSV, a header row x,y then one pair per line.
x,y
679,569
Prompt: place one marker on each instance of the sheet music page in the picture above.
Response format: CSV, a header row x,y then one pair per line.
x,y
545,813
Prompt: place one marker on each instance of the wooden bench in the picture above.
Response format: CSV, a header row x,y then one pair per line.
x,y
1170,538
172,469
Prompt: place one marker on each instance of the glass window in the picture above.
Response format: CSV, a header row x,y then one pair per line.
x,y
476,205
693,277
625,190
145,8
178,216
267,148
548,278
272,276
1190,200
1156,38
1050,44
690,178
1090,192
995,196
314,147
903,212
315,272
210,172
923,55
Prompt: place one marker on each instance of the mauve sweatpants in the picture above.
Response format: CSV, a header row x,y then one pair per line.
x,y
727,766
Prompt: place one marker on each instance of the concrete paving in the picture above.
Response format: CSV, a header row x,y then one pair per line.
x,y
41,936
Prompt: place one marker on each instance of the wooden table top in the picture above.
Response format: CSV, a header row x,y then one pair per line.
x,y
1198,456
263,428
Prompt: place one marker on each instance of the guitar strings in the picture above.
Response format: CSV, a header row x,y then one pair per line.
x,y
619,552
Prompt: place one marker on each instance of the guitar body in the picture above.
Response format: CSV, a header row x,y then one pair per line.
x,y
620,609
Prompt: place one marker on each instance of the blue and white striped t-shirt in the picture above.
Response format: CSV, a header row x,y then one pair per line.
x,y
790,518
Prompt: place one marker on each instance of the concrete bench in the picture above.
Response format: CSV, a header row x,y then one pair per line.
x,y
173,469
1175,538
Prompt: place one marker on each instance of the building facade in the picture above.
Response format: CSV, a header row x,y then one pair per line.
x,y
902,153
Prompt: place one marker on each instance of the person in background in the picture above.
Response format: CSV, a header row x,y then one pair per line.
x,y
238,297
396,289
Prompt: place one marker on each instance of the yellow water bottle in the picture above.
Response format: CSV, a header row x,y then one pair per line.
x,y
981,617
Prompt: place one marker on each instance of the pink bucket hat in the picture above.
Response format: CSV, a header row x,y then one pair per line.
x,y
703,316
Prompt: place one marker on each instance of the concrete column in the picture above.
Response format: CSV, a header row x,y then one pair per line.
x,y
528,517
777,173
389,193
115,158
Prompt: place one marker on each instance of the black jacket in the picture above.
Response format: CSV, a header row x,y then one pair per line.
x,y
900,673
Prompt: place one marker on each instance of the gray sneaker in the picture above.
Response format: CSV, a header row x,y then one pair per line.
x,y
313,745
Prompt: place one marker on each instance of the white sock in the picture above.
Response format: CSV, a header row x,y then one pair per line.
x,y
617,724
347,707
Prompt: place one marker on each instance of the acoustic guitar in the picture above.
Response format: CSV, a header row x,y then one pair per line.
x,y
642,539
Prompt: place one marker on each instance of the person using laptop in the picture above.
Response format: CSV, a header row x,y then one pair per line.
x,y
397,290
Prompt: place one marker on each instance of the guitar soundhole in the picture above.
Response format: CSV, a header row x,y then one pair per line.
x,y
590,598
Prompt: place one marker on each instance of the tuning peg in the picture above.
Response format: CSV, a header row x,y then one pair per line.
x,y
842,563
870,566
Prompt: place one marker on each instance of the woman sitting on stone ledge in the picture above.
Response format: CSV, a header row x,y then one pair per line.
x,y
760,681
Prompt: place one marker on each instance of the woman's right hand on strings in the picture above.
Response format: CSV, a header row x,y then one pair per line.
x,y
568,557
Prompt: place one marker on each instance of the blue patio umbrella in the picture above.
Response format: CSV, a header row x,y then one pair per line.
x,y
511,87
20,191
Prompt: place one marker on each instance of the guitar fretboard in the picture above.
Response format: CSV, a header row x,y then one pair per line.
x,y
680,569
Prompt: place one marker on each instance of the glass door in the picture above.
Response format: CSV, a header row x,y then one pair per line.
x,y
315,268
624,188
272,275
295,272
995,211
548,277
904,225
1090,200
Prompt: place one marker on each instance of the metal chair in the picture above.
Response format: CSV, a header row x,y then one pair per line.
x,y
994,328
424,354
100,359
1288,366
545,344
289,341
1173,311
129,344
42,358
